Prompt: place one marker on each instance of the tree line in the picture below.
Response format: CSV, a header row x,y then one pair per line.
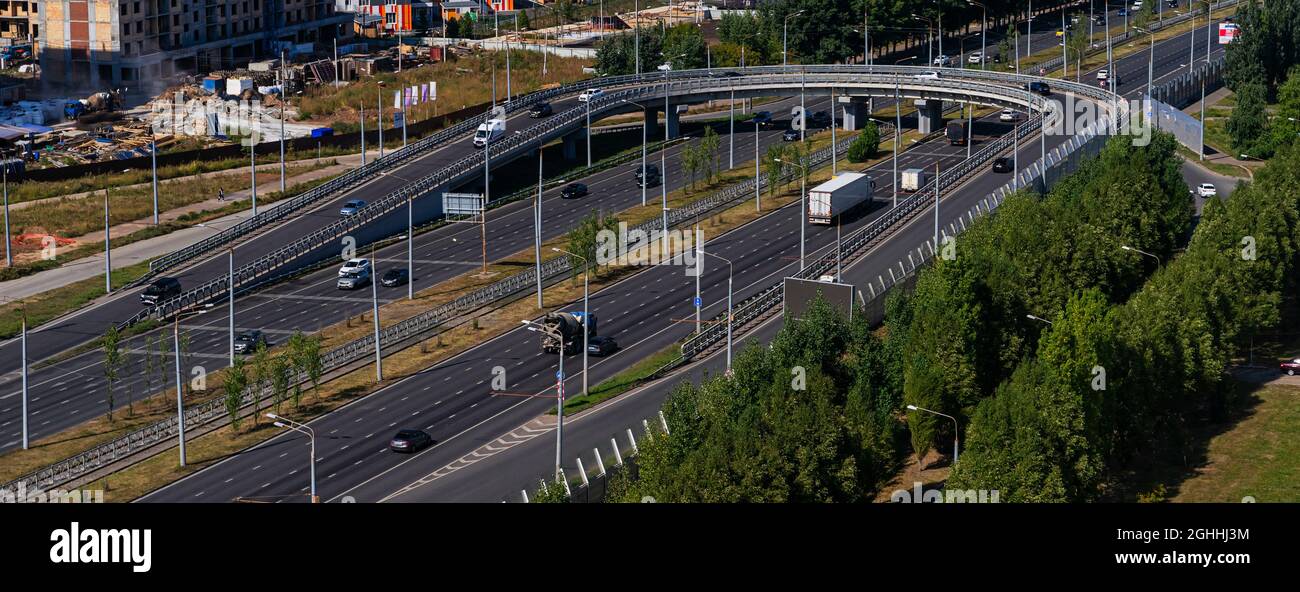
x,y
1263,67
1047,411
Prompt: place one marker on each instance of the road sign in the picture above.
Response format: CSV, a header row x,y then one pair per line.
x,y
399,119
800,293
463,207
697,302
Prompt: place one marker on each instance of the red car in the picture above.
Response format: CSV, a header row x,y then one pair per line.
x,y
1291,367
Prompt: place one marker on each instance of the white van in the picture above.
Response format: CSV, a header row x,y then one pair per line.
x,y
489,131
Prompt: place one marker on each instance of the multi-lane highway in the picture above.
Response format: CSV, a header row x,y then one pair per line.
x,y
453,402
518,462
73,391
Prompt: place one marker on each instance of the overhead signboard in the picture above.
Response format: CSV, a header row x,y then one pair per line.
x,y
800,293
1228,32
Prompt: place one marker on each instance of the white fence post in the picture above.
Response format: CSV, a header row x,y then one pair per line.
x,y
600,462
632,439
618,454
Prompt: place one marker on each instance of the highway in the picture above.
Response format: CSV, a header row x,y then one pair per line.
x,y
73,391
521,460
452,400
69,392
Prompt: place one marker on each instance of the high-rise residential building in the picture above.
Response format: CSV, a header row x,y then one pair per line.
x,y
139,43
15,19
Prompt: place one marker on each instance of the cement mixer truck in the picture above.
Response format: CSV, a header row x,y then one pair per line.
x,y
569,327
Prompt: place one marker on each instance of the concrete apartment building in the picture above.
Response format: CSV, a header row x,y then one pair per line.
x,y
139,44
392,16
15,19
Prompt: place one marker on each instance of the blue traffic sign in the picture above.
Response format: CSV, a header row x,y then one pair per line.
x,y
697,302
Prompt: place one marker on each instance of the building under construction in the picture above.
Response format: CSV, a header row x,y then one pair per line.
x,y
94,44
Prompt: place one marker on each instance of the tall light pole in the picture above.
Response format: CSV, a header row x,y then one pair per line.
x,y
4,174
1141,252
180,399
636,40
645,125
108,250
898,133
284,101
936,206
230,291
803,208
758,199
586,311
929,35
374,314
730,316
363,133
1151,58
410,246
153,165
663,154
559,390
379,121
252,169
588,103
984,25
785,26
537,220
284,422
955,435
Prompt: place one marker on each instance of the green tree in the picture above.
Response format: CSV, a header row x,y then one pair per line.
x,y
263,375
236,380
774,171
282,371
1248,125
298,363
592,238
112,346
867,145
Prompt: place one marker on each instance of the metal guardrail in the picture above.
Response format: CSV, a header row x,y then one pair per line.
x,y
158,432
778,77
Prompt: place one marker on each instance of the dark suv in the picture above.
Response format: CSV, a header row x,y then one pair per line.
x,y
573,190
1039,87
540,110
248,341
651,171
1002,165
161,289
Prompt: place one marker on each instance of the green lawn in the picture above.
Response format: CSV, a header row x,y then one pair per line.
x,y
1258,457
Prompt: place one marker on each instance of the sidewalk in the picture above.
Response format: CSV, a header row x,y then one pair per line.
x,y
137,252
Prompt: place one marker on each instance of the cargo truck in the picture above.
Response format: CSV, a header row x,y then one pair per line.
x,y
569,327
913,179
956,132
838,196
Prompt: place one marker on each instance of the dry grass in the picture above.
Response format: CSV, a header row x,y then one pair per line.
x,y
461,82
1257,457
78,216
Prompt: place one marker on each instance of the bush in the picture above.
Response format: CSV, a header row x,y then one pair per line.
x,y
867,145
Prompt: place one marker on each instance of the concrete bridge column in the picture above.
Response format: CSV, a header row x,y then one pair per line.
x,y
571,144
929,115
673,122
855,112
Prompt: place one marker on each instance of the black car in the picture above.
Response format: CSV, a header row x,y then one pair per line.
x,y
1039,87
790,135
248,341
601,346
723,73
573,190
409,441
540,110
161,289
1002,165
396,277
821,119
763,118
651,171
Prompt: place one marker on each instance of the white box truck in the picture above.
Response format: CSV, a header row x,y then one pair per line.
x,y
837,196
489,131
913,179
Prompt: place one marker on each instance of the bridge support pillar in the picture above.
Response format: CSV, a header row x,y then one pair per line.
x,y
855,112
571,144
929,116
673,123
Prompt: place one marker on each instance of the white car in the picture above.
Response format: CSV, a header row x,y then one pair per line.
x,y
1137,4
975,58
927,76
942,60
354,274
1103,74
1206,190
1007,115
590,94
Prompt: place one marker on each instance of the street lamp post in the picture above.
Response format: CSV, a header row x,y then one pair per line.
x,y
1141,252
230,290
984,25
559,391
785,26
803,208
730,269
108,249
4,180
153,164
1038,318
645,127
955,435
284,422
379,121
586,311
374,314
929,35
